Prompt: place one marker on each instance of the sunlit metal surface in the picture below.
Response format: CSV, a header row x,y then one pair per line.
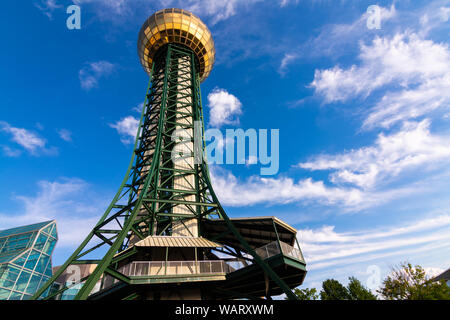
x,y
176,26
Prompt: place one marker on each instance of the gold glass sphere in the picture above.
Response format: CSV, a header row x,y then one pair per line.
x,y
176,26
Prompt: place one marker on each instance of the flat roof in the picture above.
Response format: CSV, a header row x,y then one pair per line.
x,y
177,241
268,218
257,231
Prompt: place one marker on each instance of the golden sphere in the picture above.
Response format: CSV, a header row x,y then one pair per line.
x,y
176,26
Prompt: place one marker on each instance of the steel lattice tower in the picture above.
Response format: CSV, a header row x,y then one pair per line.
x,y
165,234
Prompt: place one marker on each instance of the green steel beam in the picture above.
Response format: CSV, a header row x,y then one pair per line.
x,y
267,269
147,197
77,252
117,275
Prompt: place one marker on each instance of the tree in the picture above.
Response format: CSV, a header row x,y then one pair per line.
x,y
333,290
411,283
358,292
306,294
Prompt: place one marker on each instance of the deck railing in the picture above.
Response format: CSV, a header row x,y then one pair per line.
x,y
271,249
203,267
147,268
291,251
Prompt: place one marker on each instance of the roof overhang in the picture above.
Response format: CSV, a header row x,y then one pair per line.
x,y
180,242
257,231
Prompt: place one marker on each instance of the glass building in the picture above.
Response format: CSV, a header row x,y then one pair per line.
x,y
25,259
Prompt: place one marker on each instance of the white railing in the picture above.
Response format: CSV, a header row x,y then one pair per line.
x,y
150,268
271,249
154,268
169,268
214,267
291,251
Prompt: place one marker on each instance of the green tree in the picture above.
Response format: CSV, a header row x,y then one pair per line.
x,y
306,294
411,283
333,290
358,292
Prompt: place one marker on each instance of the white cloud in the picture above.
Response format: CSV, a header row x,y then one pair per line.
x,y
324,247
394,107
284,190
47,7
287,59
251,160
404,59
419,68
444,13
218,10
90,74
224,107
139,107
65,134
336,39
27,139
410,148
432,272
39,126
127,128
433,17
328,234
109,7
72,202
9,152
284,3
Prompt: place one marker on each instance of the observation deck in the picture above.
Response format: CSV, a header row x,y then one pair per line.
x,y
180,27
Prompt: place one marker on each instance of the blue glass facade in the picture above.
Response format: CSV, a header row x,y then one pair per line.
x,y
25,259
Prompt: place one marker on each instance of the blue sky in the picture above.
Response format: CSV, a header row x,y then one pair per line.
x,y
363,116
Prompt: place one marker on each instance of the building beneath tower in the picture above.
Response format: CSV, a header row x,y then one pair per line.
x,y
26,259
